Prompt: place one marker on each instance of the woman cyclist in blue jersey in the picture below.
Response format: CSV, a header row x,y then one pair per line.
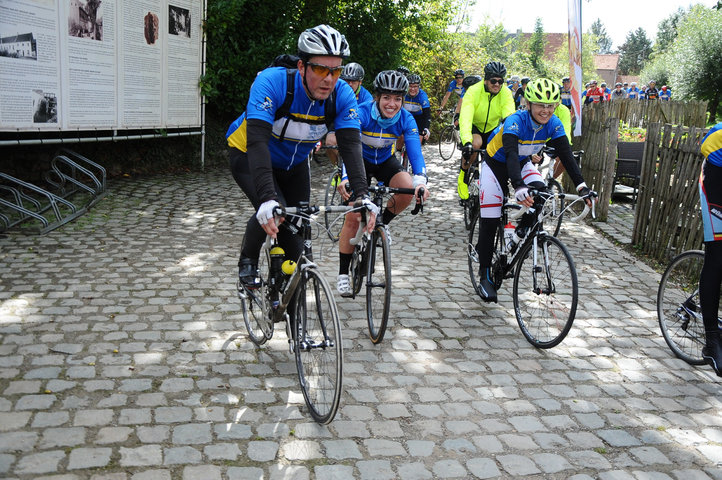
x,y
269,147
383,121
710,192
508,157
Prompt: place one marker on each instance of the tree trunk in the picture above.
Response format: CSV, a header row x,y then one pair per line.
x,y
713,107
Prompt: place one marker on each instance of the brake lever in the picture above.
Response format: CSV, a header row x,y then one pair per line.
x,y
419,207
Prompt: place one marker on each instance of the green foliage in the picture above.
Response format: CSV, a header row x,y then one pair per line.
x,y
667,31
634,52
536,48
601,38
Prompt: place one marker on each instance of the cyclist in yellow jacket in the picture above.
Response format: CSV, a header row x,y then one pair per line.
x,y
485,105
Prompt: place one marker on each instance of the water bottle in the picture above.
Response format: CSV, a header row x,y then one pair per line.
x,y
276,273
509,236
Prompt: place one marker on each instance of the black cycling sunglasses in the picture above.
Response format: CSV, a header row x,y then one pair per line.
x,y
323,70
496,81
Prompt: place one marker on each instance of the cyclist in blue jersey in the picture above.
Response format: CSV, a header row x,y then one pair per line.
x,y
710,192
633,91
508,157
455,86
417,103
665,93
383,121
353,74
567,92
269,147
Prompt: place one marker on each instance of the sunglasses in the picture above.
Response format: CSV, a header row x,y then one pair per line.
x,y
496,81
546,106
323,70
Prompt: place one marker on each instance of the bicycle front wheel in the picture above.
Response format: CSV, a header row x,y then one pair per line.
x,y
378,284
317,346
678,307
554,207
545,292
333,198
447,142
255,305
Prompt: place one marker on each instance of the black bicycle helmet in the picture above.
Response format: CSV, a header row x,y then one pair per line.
x,y
458,72
353,72
413,78
322,40
403,70
494,70
542,90
525,80
390,81
470,80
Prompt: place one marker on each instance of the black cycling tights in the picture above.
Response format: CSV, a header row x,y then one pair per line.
x,y
292,187
485,244
709,284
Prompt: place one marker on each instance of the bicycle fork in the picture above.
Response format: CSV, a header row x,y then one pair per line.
x,y
550,289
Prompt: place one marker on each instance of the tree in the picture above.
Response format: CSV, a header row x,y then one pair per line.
x,y
696,56
536,47
604,43
667,31
634,52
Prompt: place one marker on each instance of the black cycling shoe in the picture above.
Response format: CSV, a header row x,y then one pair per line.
x,y
486,286
248,274
712,355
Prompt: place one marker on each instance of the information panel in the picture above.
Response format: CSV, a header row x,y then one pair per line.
x,y
99,64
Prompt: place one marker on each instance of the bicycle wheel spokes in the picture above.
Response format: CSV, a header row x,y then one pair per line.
x,y
545,294
680,317
317,346
447,143
333,198
378,284
255,306
554,206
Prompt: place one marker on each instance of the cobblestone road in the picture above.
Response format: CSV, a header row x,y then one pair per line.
x,y
123,356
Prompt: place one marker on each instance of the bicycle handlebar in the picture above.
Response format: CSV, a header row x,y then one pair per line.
x,y
520,210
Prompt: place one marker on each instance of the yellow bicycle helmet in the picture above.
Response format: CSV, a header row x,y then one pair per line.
x,y
542,90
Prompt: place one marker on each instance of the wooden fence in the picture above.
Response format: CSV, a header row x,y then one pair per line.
x,y
667,219
640,113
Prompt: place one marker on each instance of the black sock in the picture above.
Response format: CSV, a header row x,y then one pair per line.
x,y
344,260
387,216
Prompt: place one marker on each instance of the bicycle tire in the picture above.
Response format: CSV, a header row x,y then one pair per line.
x,y
497,263
554,207
318,346
255,305
378,284
447,142
471,204
545,295
678,308
333,198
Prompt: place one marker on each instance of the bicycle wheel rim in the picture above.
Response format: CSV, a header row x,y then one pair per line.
x,y
255,306
678,307
545,311
317,346
378,285
332,198
447,145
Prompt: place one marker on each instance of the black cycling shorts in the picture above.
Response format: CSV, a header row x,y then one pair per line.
x,y
383,172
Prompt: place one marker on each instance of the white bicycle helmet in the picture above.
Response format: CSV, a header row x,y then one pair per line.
x,y
322,40
353,72
393,82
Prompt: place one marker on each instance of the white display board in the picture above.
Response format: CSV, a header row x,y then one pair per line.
x,y
68,65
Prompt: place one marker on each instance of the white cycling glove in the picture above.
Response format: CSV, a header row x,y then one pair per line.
x,y
366,202
265,211
521,194
426,132
581,186
419,180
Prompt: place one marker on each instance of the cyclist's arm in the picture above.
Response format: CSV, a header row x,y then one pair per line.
x,y
510,143
564,151
466,115
258,134
348,137
413,145
425,119
444,100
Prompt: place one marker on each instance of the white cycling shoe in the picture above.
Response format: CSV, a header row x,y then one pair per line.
x,y
343,285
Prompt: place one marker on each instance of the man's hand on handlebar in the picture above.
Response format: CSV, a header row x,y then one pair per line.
x,y
344,189
585,191
370,212
266,217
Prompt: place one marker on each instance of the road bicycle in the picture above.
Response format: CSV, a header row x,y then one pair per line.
x,y
297,294
449,139
555,207
678,307
470,205
371,259
545,290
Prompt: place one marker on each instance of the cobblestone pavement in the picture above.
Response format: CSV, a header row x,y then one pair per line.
x,y
123,356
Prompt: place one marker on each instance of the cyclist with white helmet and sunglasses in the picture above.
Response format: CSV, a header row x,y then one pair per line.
x,y
269,155
353,74
508,157
383,121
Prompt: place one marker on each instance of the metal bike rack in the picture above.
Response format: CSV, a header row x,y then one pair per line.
x,y
70,174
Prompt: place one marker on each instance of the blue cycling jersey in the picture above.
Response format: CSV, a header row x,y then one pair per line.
x,y
711,145
457,88
302,128
379,143
532,136
363,95
415,105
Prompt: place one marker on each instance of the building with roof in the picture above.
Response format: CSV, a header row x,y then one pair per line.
x,y
607,68
19,46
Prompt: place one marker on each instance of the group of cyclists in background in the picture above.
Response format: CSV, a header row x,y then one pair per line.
x,y
503,125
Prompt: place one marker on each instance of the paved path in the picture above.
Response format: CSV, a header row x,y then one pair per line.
x,y
123,356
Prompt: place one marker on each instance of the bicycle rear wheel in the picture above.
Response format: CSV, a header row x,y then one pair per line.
x,y
447,142
678,308
497,262
546,292
255,306
317,346
333,198
378,284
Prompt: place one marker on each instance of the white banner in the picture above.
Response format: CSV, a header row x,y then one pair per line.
x,y
99,64
575,63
